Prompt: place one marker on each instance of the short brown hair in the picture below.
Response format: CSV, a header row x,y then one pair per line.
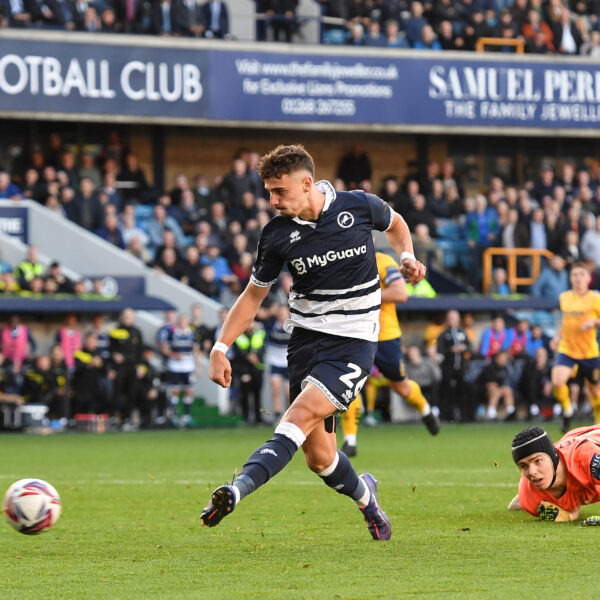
x,y
285,160
580,265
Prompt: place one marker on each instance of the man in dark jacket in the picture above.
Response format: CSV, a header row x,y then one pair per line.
x,y
453,344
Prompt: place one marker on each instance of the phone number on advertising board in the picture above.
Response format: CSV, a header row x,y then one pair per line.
x,y
318,106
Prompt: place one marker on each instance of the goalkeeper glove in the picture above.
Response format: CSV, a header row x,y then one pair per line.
x,y
550,512
591,522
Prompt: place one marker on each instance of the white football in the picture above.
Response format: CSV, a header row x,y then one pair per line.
x,y
31,506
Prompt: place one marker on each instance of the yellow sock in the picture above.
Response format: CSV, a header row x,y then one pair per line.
x,y
595,402
371,394
562,395
416,398
351,417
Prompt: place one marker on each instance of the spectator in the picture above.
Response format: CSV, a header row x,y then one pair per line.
x,y
125,349
164,20
425,248
110,190
207,283
190,215
213,257
169,242
535,384
190,268
236,183
357,35
476,28
69,339
481,227
425,371
85,208
427,41
570,250
91,387
499,285
415,23
216,19
420,214
138,250
90,170
161,222
454,347
567,38
189,20
242,268
553,280
181,184
534,26
517,339
283,18
447,39
16,338
29,268
132,180
592,46
494,377
374,37
108,23
494,339
8,190
538,230
202,194
555,232
110,231
536,341
248,366
394,38
64,285
129,229
131,15
590,244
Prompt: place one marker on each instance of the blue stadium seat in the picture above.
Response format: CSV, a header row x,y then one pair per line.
x,y
451,252
144,211
449,230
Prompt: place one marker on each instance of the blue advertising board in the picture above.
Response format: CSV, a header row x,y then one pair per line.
x,y
243,84
14,222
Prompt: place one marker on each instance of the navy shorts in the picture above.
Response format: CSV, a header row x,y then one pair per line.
x,y
338,366
281,371
180,379
588,367
389,359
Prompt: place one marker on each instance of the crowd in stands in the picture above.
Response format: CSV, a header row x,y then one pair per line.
x,y
501,374
545,26
204,233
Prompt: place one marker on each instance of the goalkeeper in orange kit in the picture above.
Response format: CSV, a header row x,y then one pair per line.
x,y
557,479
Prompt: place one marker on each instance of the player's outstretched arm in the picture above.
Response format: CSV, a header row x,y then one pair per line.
x,y
237,321
398,236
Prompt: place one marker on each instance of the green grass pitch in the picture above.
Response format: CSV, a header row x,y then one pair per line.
x,y
130,526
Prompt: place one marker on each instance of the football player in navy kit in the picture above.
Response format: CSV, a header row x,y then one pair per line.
x,y
324,237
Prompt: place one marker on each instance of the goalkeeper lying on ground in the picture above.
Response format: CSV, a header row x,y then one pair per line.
x,y
557,480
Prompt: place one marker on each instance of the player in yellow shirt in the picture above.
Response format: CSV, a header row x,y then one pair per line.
x,y
576,342
388,359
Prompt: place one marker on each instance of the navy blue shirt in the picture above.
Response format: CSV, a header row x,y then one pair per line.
x,y
332,263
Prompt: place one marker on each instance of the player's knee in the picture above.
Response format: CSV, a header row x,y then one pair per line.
x,y
318,460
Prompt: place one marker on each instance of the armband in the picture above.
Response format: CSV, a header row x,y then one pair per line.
x,y
220,347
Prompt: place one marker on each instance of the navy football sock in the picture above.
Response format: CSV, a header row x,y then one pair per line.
x,y
265,462
342,477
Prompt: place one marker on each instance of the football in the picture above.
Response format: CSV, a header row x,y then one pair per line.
x,y
31,506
